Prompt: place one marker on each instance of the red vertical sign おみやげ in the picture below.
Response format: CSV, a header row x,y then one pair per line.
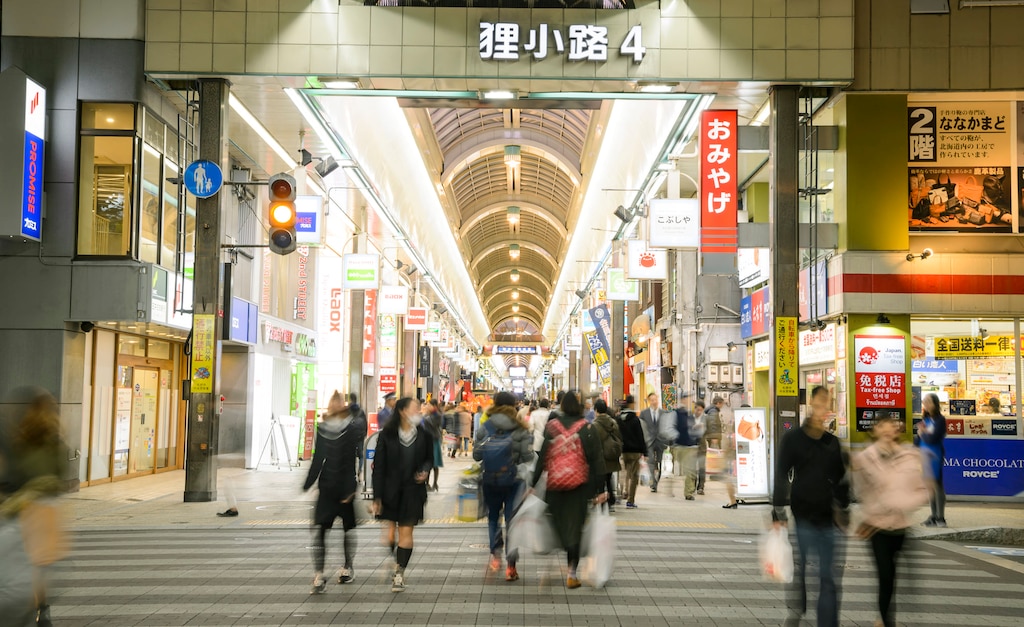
x,y
880,378
718,184
369,332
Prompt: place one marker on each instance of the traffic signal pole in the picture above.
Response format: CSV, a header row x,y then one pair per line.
x,y
203,409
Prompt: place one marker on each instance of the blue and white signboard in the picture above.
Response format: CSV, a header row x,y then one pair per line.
x,y
203,178
32,164
984,467
308,211
244,317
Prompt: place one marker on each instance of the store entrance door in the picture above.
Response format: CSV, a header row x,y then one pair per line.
x,y
145,402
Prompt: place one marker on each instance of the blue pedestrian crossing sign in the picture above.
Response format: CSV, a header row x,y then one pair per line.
x,y
203,178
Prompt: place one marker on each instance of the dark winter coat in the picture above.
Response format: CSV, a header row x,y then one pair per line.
x,y
394,482
820,487
338,447
633,439
611,441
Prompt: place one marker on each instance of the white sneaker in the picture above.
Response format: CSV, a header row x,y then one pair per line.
x,y
319,585
345,575
398,582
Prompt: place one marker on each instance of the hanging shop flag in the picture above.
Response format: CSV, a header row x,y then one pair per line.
x,y
599,357
645,262
369,332
958,155
603,326
881,378
786,357
718,184
621,288
675,222
359,271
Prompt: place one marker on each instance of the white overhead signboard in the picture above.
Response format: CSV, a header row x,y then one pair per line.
x,y
621,288
308,219
675,223
646,262
753,266
393,300
360,271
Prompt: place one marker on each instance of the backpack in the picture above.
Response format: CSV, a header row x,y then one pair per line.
x,y
565,462
611,441
498,460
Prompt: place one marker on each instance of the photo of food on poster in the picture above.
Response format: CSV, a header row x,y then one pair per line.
x,y
959,177
961,199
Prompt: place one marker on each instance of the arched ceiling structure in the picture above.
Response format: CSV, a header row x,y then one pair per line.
x,y
480,185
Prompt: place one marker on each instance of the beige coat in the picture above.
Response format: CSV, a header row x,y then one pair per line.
x,y
889,486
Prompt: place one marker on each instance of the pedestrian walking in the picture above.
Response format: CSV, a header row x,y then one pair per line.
x,y
634,448
338,445
465,429
685,451
538,422
572,457
650,418
714,422
698,431
819,498
434,422
611,446
888,481
502,443
384,413
401,464
931,437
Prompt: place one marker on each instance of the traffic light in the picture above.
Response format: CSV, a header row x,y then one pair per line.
x,y
282,213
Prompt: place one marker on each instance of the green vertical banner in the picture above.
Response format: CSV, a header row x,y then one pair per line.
x,y
302,404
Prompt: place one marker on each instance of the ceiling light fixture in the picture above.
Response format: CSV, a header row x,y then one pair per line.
x,y
623,214
513,156
340,83
514,276
657,88
513,251
732,346
513,215
498,94
882,319
983,334
924,254
515,294
582,294
515,308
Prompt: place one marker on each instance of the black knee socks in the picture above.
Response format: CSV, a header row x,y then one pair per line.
x,y
403,556
350,548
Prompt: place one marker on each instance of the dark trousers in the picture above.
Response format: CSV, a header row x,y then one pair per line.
x,y
654,456
822,540
609,485
886,546
499,497
319,548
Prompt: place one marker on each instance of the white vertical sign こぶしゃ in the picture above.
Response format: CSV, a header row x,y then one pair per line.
x,y
645,262
675,223
751,452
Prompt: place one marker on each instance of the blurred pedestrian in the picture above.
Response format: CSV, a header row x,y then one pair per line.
x,y
572,457
465,429
384,413
333,469
401,465
434,423
38,473
888,481
728,475
713,419
685,450
931,437
588,410
451,430
634,448
611,445
698,431
501,444
819,498
538,422
650,418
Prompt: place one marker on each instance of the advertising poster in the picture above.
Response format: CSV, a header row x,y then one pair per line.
x,y
755,313
984,467
880,377
204,344
751,453
958,158
786,355
599,357
972,347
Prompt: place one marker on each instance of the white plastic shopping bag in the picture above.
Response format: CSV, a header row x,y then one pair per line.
x,y
645,473
776,555
530,529
598,559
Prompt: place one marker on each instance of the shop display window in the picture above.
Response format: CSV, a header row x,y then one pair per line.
x,y
970,366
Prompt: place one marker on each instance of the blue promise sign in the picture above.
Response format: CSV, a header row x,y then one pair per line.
x,y
32,163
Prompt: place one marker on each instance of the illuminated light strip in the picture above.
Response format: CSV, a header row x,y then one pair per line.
x,y
261,130
319,125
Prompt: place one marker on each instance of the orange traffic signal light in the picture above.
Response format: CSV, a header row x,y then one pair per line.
x,y
282,213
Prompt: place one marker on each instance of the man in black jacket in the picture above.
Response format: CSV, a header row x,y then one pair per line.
x,y
819,498
634,446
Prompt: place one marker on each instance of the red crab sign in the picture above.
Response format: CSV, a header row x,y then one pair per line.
x,y
646,263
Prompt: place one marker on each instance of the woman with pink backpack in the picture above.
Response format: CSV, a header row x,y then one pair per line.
x,y
572,457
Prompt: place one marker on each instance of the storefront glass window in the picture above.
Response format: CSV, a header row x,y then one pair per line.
x,y
168,256
105,195
149,223
159,349
970,365
131,345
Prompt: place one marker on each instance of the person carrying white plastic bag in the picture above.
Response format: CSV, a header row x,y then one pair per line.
x,y
776,555
598,549
530,529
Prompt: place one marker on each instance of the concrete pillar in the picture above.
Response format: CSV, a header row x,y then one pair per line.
x,y
203,408
618,348
573,369
784,240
